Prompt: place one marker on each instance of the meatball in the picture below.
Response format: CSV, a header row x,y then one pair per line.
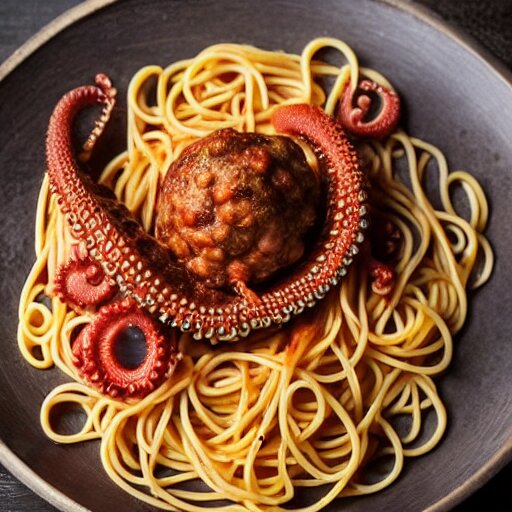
x,y
237,207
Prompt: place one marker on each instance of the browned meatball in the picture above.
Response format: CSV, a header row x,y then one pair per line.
x,y
236,207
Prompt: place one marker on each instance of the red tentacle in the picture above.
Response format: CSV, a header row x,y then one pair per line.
x,y
382,277
95,352
338,157
62,166
353,118
81,283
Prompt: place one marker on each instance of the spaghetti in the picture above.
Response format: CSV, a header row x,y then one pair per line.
x,y
316,403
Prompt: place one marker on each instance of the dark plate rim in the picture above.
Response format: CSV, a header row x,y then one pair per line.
x,y
58,499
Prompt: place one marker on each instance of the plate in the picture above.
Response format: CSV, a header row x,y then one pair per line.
x,y
454,96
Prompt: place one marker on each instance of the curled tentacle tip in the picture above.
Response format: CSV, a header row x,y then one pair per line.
x,y
81,283
105,84
383,278
356,105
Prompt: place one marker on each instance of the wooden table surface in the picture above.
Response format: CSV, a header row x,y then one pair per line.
x,y
488,21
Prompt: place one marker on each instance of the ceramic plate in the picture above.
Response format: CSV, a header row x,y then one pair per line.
x,y
454,97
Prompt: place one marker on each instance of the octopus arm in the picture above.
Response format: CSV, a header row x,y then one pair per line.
x,y
95,354
149,273
81,283
356,105
345,184
130,257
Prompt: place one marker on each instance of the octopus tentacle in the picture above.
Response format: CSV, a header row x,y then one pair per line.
x,y
353,118
62,167
95,351
382,255
346,211
109,103
151,275
382,277
112,235
81,283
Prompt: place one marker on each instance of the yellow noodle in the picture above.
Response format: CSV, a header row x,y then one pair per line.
x,y
312,404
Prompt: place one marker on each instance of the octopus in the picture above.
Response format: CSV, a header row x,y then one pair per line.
x,y
247,235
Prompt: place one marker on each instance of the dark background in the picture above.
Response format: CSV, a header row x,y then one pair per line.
x,y
488,21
